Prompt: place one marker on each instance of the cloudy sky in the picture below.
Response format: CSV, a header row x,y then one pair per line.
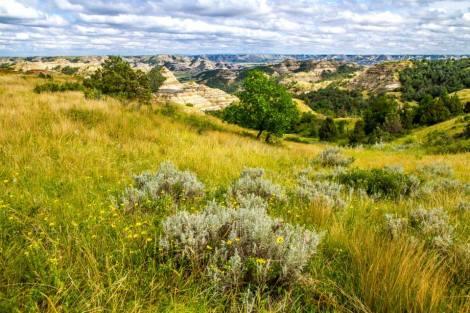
x,y
84,27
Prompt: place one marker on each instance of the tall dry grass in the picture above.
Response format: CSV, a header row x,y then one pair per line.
x,y
64,247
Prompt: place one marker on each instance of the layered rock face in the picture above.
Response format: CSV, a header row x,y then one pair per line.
x,y
380,78
199,96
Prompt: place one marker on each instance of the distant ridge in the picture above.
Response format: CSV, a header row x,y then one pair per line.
x,y
361,59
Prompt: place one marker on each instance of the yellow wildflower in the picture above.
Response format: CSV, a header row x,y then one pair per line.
x,y
229,242
260,261
279,240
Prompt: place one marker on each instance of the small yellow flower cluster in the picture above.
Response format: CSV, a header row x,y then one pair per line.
x,y
135,232
280,240
261,261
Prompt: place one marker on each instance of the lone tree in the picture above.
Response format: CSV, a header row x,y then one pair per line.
x,y
264,106
117,78
328,131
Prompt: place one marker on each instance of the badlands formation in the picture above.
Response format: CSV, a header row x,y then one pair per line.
x,y
192,94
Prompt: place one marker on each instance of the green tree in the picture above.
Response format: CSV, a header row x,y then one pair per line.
x,y
432,111
156,78
116,78
328,131
378,109
264,106
358,134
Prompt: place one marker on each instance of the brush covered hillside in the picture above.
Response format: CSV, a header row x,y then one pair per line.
x,y
112,207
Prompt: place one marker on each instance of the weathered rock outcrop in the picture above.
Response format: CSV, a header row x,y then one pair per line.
x,y
380,77
199,96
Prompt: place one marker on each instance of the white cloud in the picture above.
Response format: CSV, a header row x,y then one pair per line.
x,y
233,26
12,9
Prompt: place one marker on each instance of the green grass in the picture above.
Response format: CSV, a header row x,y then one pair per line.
x,y
64,246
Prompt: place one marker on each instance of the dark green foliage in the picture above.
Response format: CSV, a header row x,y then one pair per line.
x,y
452,103
116,78
392,124
44,75
156,78
68,70
467,107
343,71
308,125
379,108
328,131
56,87
6,66
466,132
264,106
335,102
431,111
384,182
358,135
407,116
434,78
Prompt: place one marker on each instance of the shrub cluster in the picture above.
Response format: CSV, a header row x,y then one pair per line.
x,y
432,226
168,181
55,87
68,70
385,182
435,170
117,78
324,193
333,157
239,248
251,182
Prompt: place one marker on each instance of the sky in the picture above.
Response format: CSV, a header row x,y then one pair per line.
x,y
147,27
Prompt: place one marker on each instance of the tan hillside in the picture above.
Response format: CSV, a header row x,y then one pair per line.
x,y
380,77
193,94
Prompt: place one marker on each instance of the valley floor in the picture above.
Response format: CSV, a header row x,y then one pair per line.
x,y
65,246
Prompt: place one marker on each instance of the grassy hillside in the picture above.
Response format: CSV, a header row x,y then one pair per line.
x,y
66,247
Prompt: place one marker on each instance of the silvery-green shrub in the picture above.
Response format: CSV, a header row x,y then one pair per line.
x,y
326,193
434,170
431,225
238,247
252,182
396,226
434,226
333,157
168,181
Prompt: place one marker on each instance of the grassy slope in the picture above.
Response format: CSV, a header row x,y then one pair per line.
x,y
64,247
463,94
452,126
